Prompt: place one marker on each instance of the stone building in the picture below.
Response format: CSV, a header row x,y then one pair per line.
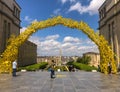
x,y
109,24
27,54
95,58
49,59
57,59
10,24
9,21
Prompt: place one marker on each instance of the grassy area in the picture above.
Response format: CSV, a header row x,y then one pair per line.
x,y
62,68
34,67
43,65
83,66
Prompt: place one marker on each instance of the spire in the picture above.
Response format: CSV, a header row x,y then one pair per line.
x,y
60,55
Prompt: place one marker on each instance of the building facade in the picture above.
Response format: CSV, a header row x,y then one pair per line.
x,y
95,58
109,24
10,25
27,54
57,59
9,21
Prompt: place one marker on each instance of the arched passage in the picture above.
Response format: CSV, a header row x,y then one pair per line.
x,y
11,52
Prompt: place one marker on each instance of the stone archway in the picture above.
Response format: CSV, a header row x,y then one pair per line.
x,y
11,52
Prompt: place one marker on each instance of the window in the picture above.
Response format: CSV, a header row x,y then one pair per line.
x,y
16,12
113,35
102,13
4,34
9,27
109,34
111,28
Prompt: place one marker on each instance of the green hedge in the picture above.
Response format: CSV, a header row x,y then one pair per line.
x,y
34,67
84,66
62,68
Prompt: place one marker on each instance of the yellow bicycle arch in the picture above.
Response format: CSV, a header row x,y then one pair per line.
x,y
11,52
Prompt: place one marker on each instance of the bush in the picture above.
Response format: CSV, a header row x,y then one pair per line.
x,y
84,67
62,68
84,60
34,67
70,63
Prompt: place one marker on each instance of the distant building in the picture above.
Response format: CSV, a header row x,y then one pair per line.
x,y
27,54
48,59
95,58
56,59
10,24
109,24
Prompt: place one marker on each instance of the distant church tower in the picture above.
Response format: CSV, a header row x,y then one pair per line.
x,y
60,57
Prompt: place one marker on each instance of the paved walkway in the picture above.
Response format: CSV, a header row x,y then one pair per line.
x,y
65,82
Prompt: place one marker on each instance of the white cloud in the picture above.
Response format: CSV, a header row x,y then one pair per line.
x,y
90,42
67,45
35,40
57,12
50,43
71,39
52,37
22,29
72,1
65,1
92,8
29,20
51,46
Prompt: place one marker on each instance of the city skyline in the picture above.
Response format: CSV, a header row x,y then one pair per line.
x,y
72,42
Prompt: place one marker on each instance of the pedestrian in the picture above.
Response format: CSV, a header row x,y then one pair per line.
x,y
70,68
119,68
109,68
1,56
52,74
99,70
14,67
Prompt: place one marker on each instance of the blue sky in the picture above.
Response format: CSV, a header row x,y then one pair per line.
x,y
72,42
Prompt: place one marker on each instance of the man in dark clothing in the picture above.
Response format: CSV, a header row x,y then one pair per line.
x,y
52,75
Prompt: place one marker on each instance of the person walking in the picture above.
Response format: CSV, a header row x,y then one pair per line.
x,y
52,74
109,68
14,67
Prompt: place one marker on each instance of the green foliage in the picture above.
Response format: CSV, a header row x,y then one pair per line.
x,y
84,60
70,63
62,68
83,67
34,67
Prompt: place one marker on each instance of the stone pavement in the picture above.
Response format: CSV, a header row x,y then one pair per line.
x,y
64,82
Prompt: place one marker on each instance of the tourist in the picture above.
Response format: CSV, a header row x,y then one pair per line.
x,y
109,68
99,70
14,67
52,74
1,56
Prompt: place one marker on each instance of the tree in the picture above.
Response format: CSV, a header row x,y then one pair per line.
x,y
84,60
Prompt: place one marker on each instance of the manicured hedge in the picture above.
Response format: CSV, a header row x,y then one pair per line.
x,y
62,68
83,67
34,67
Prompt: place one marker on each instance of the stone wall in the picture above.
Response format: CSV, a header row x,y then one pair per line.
x,y
95,58
9,23
27,54
109,26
